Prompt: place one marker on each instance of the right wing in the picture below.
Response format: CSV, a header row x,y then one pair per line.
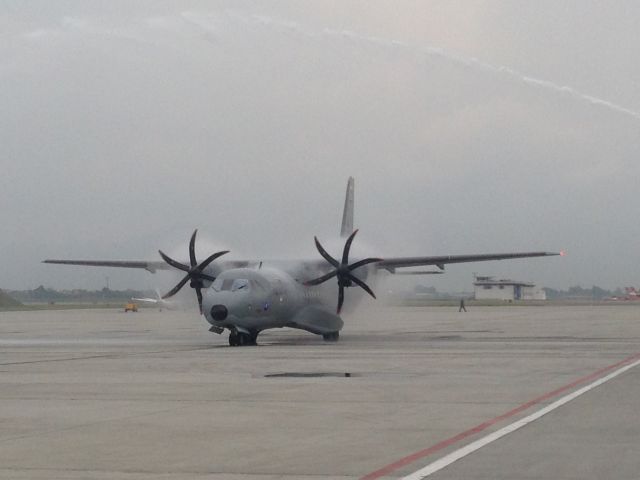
x,y
150,266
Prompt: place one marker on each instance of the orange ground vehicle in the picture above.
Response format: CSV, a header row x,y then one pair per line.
x,y
131,307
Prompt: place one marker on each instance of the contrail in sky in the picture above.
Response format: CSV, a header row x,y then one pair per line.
x,y
211,23
471,62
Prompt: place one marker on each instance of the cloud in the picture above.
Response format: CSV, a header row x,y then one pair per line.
x,y
130,130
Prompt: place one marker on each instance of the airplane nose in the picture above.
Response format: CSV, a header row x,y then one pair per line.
x,y
219,312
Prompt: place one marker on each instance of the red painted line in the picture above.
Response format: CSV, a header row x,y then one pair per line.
x,y
483,426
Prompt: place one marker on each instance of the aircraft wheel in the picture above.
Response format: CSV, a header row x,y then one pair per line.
x,y
240,339
254,338
244,339
331,337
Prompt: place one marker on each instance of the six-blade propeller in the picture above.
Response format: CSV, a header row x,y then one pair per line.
x,y
343,270
195,273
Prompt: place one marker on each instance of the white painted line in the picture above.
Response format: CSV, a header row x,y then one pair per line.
x,y
478,444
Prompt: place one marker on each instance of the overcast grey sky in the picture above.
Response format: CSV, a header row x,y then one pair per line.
x,y
470,127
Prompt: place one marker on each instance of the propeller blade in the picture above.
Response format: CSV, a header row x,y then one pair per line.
x,y
199,294
325,255
192,249
172,262
321,279
361,263
177,288
210,259
360,283
343,270
195,272
347,247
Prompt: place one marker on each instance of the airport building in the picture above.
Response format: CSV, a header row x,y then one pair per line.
x,y
489,288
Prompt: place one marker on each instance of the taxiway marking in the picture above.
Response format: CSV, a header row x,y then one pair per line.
x,y
599,377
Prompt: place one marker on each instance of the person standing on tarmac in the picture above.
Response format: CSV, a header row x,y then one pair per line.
x,y
462,307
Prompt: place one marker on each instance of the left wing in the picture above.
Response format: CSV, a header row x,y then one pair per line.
x,y
391,264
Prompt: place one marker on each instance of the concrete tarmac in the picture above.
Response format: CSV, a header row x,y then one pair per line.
x,y
103,394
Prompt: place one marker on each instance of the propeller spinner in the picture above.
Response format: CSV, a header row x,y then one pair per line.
x,y
343,270
195,273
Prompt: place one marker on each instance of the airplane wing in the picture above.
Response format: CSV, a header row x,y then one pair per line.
x,y
150,266
391,264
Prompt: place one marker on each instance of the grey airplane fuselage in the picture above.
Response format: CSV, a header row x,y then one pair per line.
x,y
255,299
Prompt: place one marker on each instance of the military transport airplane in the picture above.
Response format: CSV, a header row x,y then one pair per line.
x,y
249,296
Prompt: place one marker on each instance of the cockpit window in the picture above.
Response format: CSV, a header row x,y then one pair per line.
x,y
240,284
230,284
257,286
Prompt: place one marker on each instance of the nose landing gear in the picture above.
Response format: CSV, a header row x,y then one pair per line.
x,y
242,339
331,337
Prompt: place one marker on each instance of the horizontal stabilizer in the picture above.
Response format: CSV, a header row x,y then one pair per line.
x,y
427,272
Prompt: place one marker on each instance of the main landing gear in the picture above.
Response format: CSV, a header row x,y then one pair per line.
x,y
241,339
331,337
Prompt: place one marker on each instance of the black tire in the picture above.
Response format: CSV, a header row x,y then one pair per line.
x,y
244,339
240,339
331,337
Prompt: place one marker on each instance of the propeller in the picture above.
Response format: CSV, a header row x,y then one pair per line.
x,y
195,274
343,270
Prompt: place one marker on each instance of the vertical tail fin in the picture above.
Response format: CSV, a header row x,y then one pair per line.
x,y
347,213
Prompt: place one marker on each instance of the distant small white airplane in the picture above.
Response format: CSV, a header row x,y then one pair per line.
x,y
158,301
